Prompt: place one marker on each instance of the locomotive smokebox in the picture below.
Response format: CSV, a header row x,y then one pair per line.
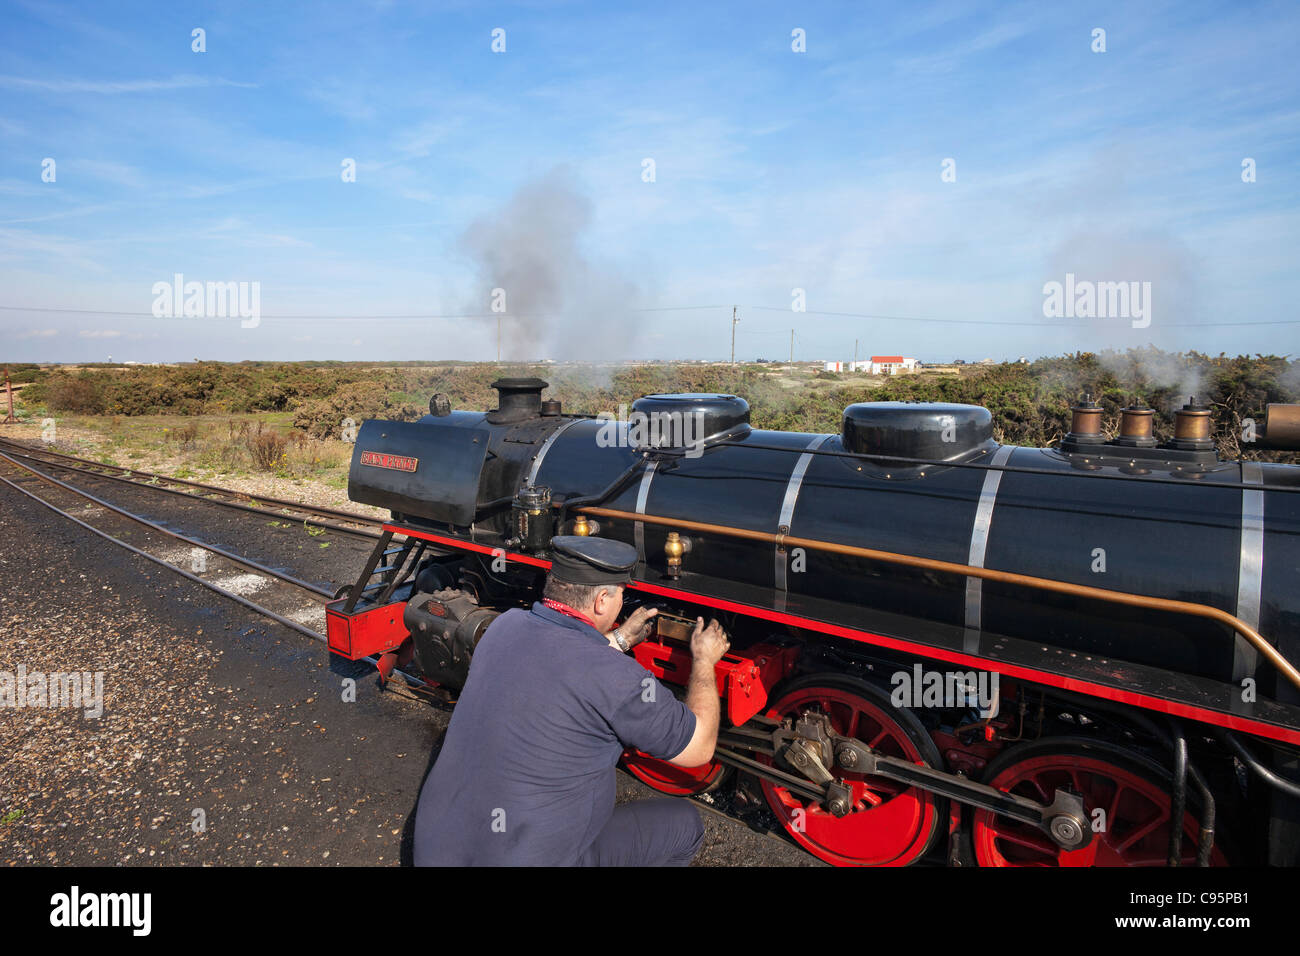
x,y
519,399
937,431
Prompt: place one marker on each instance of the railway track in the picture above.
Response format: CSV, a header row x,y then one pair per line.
x,y
215,568
280,595
344,522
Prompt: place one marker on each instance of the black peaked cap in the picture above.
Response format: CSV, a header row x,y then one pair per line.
x,y
576,559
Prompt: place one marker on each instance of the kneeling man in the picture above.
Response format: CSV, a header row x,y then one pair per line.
x,y
526,772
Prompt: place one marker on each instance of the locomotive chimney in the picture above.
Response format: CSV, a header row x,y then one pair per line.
x,y
1192,427
518,400
1085,422
1135,427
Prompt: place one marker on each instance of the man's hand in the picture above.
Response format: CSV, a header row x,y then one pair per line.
x,y
636,628
708,644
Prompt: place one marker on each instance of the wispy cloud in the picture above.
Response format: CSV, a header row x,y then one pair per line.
x,y
89,210
121,174
46,250
178,82
950,58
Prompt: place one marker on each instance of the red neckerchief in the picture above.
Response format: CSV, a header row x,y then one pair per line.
x,y
565,609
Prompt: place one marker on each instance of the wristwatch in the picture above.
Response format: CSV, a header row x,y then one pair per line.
x,y
617,635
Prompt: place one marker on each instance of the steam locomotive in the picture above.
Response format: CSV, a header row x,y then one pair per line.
x,y
942,648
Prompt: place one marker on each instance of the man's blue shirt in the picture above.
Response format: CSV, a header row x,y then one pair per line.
x,y
526,772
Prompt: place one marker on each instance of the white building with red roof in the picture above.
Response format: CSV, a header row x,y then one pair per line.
x,y
891,364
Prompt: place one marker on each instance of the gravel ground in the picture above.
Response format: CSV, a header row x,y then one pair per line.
x,y
211,713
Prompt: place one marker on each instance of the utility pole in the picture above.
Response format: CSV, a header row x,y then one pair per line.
x,y
498,338
734,320
10,420
792,346
855,352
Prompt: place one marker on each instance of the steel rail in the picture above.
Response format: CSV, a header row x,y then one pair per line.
x,y
28,451
988,574
229,556
238,599
188,496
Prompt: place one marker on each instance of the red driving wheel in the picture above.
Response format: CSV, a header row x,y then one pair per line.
x,y
671,779
891,824
1132,830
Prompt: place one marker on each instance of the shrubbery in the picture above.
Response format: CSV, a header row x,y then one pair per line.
x,y
266,447
1030,402
323,418
81,394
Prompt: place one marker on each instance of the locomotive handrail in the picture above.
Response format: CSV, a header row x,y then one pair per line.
x,y
988,574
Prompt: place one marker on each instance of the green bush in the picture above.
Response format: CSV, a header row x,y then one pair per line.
x,y
80,394
324,418
1030,402
266,447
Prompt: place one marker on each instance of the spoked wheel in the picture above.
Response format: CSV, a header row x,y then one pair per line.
x,y
1132,792
891,824
671,779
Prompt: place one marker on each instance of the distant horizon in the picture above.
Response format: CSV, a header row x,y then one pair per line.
x,y
579,363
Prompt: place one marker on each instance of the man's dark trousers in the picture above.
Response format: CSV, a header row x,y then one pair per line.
x,y
662,832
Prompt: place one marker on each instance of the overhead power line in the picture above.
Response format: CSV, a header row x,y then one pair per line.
x,y
1047,324
351,315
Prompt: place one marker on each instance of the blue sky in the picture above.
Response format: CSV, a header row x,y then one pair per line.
x,y
774,171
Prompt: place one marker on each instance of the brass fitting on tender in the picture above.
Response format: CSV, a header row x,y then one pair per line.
x,y
581,526
1192,427
1135,427
1282,427
674,548
1085,422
